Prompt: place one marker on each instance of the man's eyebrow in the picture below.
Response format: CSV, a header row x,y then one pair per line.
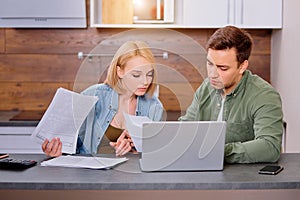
x,y
208,60
222,66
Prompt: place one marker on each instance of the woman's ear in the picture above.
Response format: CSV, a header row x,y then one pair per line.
x,y
244,66
120,72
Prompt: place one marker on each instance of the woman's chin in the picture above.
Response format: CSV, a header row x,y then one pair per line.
x,y
140,93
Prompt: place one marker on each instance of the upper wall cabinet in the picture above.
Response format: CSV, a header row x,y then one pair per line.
x,y
241,13
259,13
43,14
133,13
205,14
186,13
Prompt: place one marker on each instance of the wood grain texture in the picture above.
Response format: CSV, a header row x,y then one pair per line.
x,y
177,96
261,42
35,62
55,41
112,12
259,64
2,45
38,68
28,95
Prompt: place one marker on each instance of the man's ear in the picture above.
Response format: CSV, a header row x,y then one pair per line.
x,y
244,66
120,72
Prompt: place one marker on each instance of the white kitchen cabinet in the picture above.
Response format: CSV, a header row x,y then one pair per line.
x,y
16,139
208,14
43,14
205,14
259,13
241,13
107,14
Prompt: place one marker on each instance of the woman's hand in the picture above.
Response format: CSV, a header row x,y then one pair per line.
x,y
123,145
52,148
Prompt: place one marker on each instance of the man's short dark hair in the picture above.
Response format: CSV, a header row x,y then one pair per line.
x,y
232,37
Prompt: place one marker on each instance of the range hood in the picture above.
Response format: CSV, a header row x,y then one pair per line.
x,y
43,14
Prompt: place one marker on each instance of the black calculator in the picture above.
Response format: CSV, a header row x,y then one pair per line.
x,y
16,164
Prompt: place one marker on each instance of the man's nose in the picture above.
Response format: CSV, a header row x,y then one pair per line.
x,y
213,72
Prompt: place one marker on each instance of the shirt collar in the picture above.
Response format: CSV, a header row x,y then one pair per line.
x,y
240,87
114,100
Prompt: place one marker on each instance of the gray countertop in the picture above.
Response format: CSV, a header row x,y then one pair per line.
x,y
128,176
18,123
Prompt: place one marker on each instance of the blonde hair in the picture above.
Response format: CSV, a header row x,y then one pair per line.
x,y
127,51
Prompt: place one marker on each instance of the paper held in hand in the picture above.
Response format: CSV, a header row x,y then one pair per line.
x,y
63,118
134,125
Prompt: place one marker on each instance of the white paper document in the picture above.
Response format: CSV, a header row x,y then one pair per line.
x,y
83,162
63,118
134,125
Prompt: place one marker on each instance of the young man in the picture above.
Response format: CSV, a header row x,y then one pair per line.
x,y
249,105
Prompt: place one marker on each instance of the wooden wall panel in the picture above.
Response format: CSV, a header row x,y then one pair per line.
x,y
55,41
64,68
260,65
174,66
2,48
35,62
261,42
28,95
198,35
38,68
177,96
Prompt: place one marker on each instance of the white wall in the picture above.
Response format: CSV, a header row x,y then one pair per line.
x,y
285,70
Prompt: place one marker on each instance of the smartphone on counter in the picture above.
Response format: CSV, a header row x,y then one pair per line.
x,y
271,169
3,155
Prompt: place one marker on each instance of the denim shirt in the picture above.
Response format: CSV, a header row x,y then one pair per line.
x,y
253,114
98,120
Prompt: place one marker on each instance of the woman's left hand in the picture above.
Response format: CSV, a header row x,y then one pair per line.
x,y
123,144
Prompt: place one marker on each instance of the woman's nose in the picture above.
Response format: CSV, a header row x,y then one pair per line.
x,y
147,80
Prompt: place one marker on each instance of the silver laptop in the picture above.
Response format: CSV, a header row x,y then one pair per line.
x,y
183,146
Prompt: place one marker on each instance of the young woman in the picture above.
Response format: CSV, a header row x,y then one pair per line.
x,y
128,88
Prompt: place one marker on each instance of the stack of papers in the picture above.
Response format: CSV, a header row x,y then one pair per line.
x,y
84,162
